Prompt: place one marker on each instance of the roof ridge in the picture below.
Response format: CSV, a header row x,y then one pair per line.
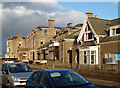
x,y
98,18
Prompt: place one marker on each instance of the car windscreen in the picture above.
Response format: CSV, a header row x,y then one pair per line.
x,y
67,79
15,68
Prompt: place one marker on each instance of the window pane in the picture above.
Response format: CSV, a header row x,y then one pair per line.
x,y
89,35
113,31
92,59
118,31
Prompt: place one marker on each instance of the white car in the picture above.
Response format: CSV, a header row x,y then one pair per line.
x,y
9,61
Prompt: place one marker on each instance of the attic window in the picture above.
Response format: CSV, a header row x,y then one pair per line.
x,y
115,31
90,36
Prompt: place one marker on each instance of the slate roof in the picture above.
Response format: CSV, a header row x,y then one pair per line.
x,y
44,45
115,22
99,25
74,35
108,39
14,37
88,43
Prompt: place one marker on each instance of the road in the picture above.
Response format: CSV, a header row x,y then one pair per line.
x,y
97,81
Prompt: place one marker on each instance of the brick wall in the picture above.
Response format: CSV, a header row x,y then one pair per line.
x,y
112,47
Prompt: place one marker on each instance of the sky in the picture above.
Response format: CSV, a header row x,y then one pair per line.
x,y
25,16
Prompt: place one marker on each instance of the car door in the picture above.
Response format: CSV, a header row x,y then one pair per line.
x,y
45,80
34,79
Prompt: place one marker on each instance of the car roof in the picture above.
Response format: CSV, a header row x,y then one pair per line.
x,y
14,63
55,70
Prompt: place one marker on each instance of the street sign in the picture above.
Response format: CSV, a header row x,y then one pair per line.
x,y
117,56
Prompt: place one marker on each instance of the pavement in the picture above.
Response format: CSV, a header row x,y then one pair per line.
x,y
102,82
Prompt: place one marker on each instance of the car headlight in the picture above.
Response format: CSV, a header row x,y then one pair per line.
x,y
14,79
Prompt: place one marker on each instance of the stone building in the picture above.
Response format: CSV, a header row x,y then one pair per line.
x,y
57,48
14,44
26,47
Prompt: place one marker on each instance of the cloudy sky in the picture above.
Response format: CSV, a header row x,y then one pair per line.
x,y
25,16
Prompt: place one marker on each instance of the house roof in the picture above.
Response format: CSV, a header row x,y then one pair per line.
x,y
14,37
74,35
44,45
109,39
99,25
115,22
88,43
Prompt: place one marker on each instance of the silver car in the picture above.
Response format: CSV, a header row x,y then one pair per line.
x,y
15,74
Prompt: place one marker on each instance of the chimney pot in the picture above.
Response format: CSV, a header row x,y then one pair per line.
x,y
95,16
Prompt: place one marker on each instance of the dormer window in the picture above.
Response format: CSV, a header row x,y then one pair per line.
x,y
114,31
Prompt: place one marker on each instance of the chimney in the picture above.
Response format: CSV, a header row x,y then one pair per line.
x,y
89,14
19,34
51,23
69,25
95,16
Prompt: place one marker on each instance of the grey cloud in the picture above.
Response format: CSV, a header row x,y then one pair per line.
x,y
43,6
25,20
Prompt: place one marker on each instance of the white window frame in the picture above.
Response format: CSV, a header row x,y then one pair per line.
x,y
111,30
86,35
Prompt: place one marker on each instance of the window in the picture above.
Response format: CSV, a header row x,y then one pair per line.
x,y
115,31
57,31
41,41
14,56
93,57
8,49
36,77
8,43
110,58
19,43
88,35
45,80
45,32
24,55
85,57
118,31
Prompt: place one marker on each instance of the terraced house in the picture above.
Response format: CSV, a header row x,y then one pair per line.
x,y
26,47
96,42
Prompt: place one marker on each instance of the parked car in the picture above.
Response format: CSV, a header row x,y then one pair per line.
x,y
59,78
9,61
15,74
